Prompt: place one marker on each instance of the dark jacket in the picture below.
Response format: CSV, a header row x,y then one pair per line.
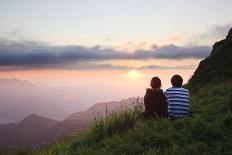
x,y
155,103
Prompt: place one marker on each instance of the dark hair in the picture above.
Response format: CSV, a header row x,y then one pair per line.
x,y
177,81
155,82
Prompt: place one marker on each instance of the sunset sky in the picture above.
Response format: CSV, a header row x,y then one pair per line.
x,y
120,42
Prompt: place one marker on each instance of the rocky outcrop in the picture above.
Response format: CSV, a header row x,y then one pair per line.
x,y
218,65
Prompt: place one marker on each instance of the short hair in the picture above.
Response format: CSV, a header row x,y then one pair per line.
x,y
155,82
177,81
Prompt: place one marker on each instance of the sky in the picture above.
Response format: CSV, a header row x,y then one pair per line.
x,y
122,43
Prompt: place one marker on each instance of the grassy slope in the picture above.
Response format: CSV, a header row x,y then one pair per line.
x,y
208,131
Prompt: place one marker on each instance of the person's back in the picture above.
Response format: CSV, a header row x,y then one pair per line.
x,y
178,98
155,100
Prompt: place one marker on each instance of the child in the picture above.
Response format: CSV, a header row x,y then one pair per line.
x,y
155,100
178,98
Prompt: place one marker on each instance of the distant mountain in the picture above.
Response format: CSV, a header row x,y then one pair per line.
x,y
19,99
35,131
25,132
104,108
218,66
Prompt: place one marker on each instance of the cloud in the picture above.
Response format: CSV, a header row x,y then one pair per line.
x,y
39,55
94,66
181,52
166,67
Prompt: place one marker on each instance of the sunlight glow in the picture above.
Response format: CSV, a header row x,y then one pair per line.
x,y
134,74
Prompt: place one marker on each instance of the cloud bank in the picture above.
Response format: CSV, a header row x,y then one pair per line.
x,y
24,55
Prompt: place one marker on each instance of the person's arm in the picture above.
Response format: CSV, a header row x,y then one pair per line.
x,y
166,96
189,113
147,102
147,98
165,105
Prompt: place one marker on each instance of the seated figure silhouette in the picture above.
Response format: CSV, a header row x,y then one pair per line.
x,y
155,100
178,98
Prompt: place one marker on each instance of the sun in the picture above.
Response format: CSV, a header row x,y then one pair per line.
x,y
134,74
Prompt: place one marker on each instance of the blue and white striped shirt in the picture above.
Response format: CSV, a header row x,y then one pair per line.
x,y
178,99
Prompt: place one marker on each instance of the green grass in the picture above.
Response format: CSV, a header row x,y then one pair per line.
x,y
208,131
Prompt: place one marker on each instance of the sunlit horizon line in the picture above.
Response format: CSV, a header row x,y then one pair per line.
x,y
70,70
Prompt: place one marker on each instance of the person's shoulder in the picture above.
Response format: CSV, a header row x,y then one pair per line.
x,y
172,89
154,91
148,90
180,89
185,89
167,90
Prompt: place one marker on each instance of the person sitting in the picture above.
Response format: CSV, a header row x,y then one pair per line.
x,y
178,98
155,100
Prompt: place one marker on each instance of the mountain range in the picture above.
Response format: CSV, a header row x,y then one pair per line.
x,y
20,98
37,131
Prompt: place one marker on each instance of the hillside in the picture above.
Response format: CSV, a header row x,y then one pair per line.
x,y
216,67
208,131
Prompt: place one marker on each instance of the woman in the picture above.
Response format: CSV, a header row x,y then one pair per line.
x,y
155,100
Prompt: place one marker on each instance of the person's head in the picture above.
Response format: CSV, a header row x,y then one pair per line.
x,y
176,81
155,82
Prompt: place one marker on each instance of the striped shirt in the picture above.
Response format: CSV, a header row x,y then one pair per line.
x,y
178,99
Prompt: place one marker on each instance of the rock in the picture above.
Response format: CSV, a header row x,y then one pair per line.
x,y
229,36
218,65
